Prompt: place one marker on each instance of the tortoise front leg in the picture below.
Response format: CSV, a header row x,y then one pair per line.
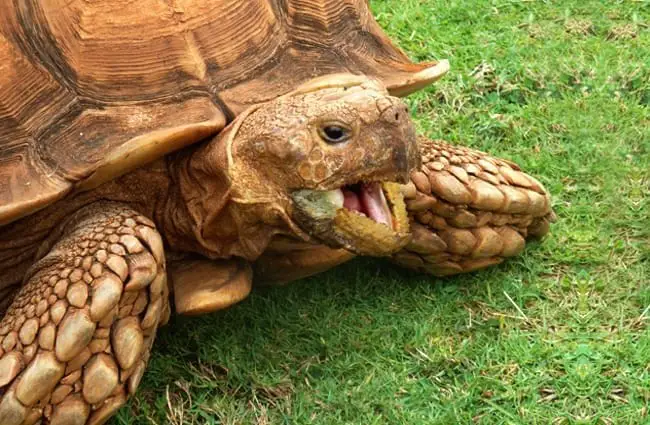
x,y
469,210
76,339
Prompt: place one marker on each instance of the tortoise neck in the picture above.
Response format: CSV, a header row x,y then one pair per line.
x,y
199,214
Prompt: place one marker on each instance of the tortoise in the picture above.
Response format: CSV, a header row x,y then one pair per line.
x,y
153,147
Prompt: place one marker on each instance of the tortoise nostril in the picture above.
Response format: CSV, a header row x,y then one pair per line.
x,y
393,115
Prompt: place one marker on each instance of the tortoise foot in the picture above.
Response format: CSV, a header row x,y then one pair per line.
x,y
469,210
76,339
203,286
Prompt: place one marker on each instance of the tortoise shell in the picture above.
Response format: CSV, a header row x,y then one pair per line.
x,y
92,90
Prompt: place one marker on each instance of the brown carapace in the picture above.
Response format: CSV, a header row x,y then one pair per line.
x,y
196,147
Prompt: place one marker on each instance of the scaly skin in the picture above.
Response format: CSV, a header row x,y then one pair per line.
x,y
77,337
470,210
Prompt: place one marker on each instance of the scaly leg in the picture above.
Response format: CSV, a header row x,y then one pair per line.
x,y
469,210
76,339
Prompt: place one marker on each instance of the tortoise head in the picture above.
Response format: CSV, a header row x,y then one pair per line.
x,y
325,162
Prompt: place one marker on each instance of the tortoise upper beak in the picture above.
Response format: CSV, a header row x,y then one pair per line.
x,y
405,153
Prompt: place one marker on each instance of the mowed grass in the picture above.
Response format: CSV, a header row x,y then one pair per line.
x,y
558,335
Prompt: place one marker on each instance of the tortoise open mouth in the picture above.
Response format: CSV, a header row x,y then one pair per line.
x,y
368,218
367,199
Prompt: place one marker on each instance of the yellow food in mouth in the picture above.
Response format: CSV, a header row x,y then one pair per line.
x,y
367,218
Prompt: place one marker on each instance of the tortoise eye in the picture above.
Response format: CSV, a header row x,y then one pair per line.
x,y
334,133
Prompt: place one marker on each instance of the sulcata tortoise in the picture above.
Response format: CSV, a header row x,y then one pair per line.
x,y
158,147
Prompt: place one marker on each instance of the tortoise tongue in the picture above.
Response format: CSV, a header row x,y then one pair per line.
x,y
375,205
370,201
352,201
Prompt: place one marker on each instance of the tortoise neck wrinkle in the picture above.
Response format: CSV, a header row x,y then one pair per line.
x,y
198,214
202,213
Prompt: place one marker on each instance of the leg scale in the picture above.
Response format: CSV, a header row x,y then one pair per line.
x,y
75,340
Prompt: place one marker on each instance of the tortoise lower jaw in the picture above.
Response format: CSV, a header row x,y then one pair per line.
x,y
365,218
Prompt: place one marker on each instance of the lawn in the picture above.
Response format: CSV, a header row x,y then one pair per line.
x,y
558,335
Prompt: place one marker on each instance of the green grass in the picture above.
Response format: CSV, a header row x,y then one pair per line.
x,y
558,335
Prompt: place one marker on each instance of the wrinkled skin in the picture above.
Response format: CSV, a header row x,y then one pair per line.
x,y
278,192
